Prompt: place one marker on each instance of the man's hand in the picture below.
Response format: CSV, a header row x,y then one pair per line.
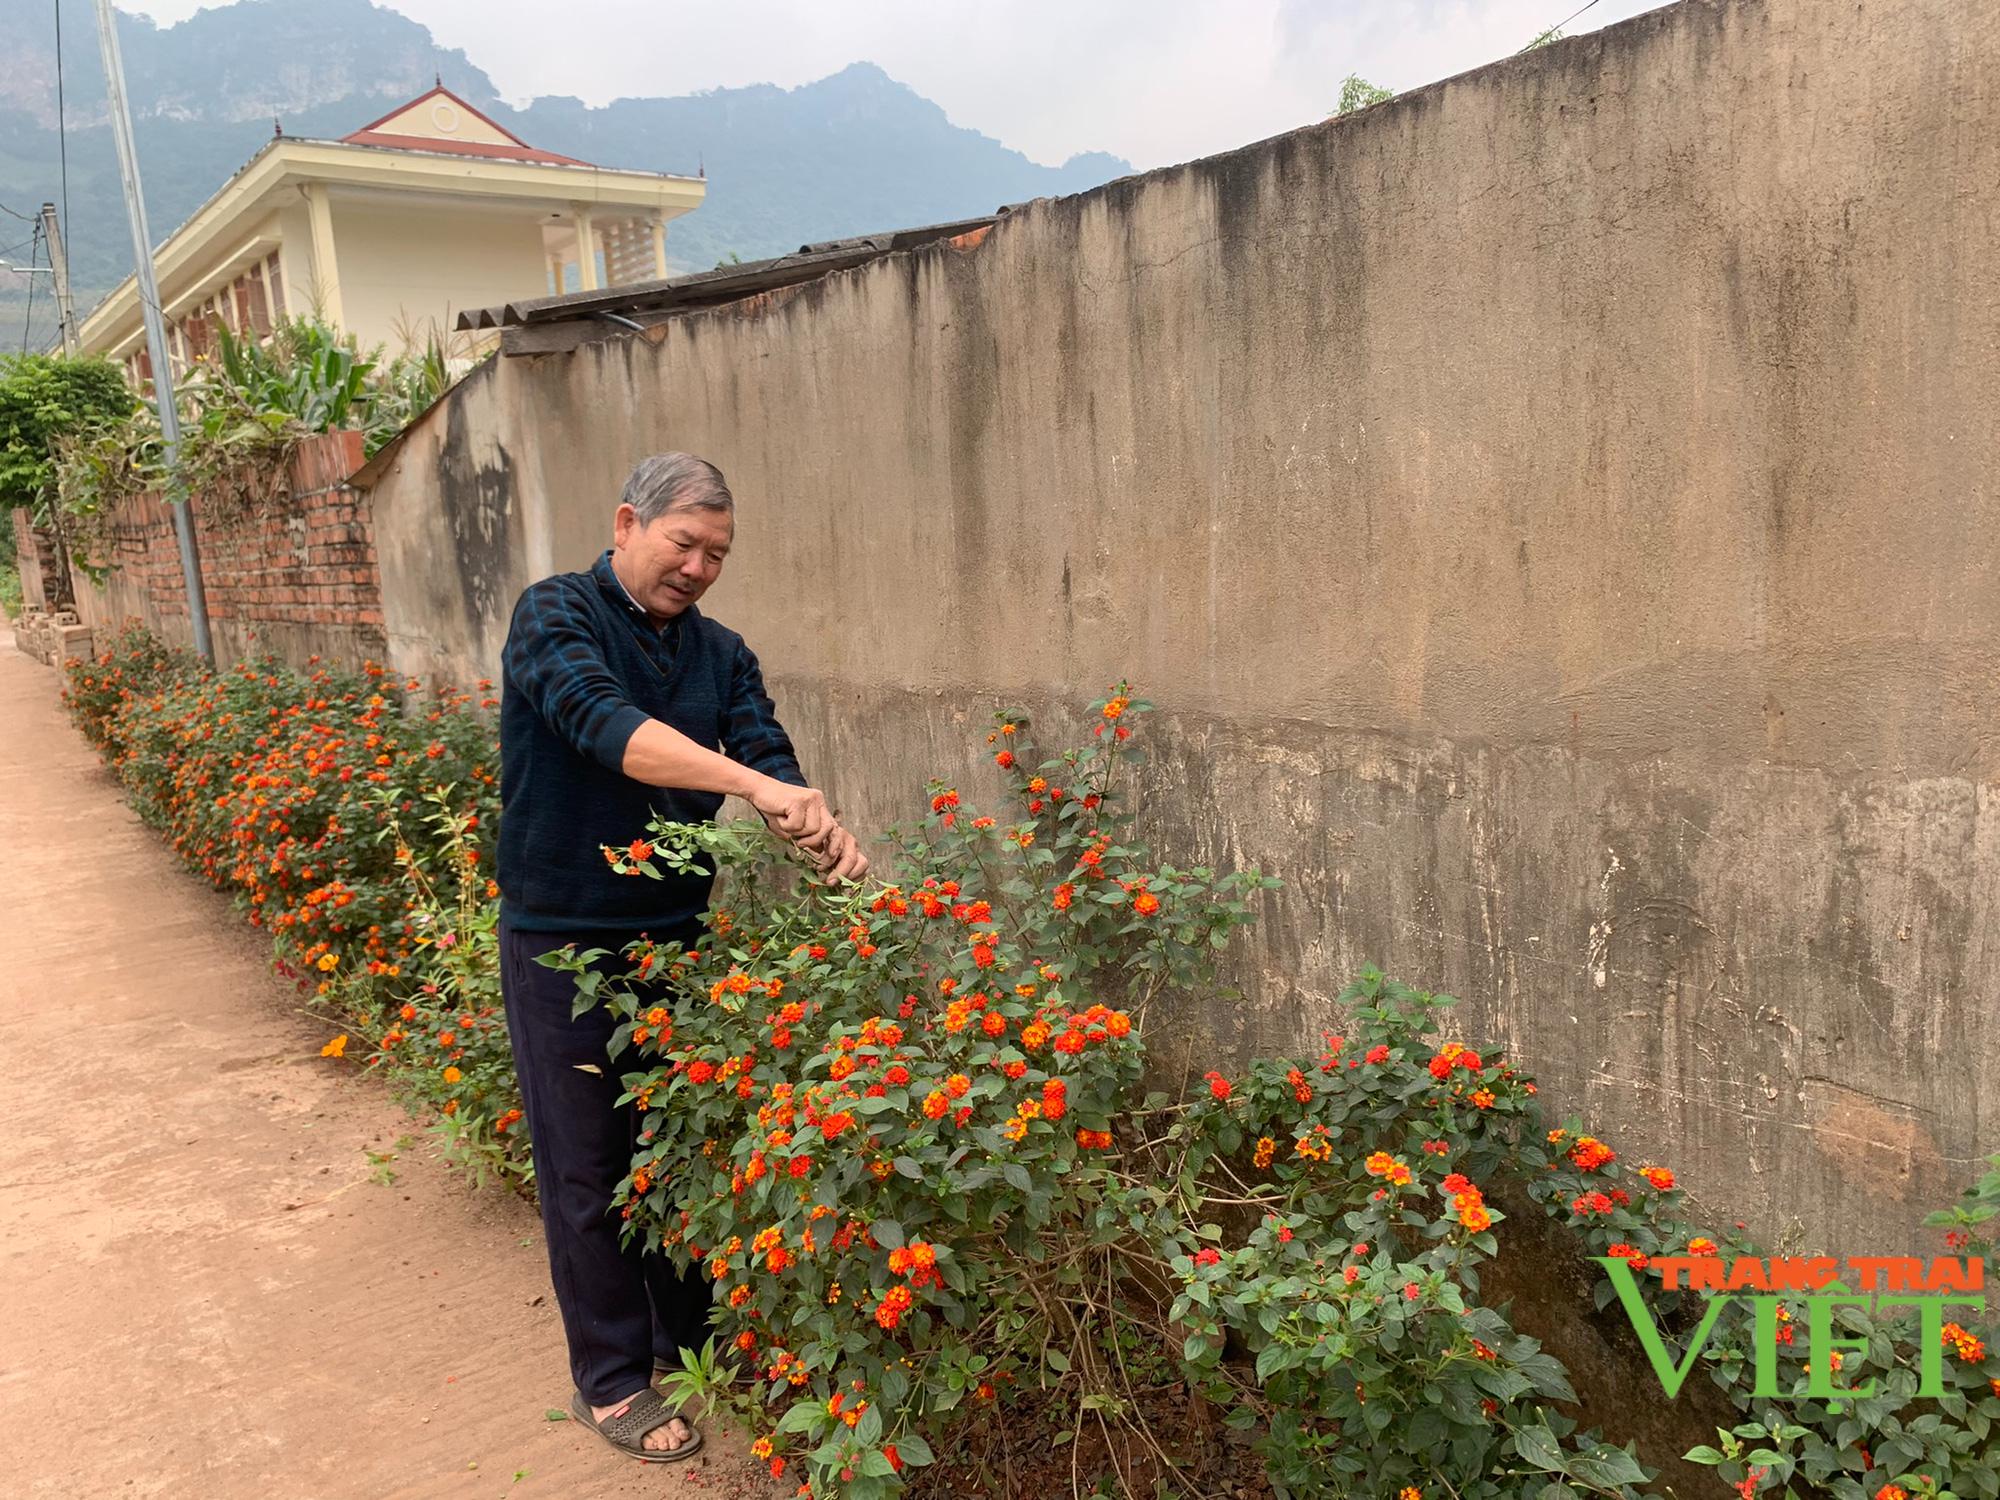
x,y
841,859
797,813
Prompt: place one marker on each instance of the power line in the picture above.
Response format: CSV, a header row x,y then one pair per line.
x,y
62,128
1567,19
24,218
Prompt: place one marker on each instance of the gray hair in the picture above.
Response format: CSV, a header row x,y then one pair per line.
x,y
675,481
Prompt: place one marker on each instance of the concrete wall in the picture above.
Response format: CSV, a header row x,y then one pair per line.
x,y
1554,510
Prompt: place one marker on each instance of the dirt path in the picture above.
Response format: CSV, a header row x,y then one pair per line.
x,y
203,1290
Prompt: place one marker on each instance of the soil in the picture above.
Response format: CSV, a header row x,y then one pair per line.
x,y
1038,1451
208,1285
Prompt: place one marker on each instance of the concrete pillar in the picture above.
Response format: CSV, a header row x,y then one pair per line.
x,y
555,275
660,249
325,268
586,248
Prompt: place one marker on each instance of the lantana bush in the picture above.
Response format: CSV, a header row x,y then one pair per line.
x,y
955,1216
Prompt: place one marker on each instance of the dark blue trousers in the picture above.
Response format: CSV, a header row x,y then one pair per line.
x,y
621,1309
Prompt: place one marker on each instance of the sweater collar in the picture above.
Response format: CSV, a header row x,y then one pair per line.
x,y
614,588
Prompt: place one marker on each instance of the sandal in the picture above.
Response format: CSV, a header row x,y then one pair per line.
x,y
627,1433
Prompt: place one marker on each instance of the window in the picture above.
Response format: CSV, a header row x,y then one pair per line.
x,y
252,310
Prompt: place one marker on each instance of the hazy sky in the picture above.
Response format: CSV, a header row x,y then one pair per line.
x,y
1154,81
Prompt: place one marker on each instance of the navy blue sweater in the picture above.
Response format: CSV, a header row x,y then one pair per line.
x,y
584,666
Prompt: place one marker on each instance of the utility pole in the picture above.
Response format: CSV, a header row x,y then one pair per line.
x,y
181,505
59,263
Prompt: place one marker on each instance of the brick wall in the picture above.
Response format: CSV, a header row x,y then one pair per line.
x,y
300,582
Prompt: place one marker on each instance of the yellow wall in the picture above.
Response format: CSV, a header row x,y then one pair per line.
x,y
295,256
407,266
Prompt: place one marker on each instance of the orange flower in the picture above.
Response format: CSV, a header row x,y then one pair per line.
x,y
335,1048
889,1311
1589,1153
1659,1177
1145,903
1966,1344
1701,1245
452,1075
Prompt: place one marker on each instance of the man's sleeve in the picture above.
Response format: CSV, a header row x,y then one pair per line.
x,y
751,733
555,661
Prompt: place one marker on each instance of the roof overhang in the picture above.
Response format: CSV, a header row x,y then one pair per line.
x,y
259,186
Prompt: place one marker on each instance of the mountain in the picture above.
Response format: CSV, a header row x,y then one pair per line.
x,y
851,153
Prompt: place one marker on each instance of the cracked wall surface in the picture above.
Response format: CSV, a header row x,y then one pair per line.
x,y
1553,510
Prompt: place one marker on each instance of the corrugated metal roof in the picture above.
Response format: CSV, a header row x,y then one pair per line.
x,y
641,303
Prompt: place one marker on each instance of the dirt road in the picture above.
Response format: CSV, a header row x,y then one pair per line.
x,y
208,1288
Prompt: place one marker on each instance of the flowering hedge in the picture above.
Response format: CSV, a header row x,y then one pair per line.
x,y
352,816
914,1135
909,1134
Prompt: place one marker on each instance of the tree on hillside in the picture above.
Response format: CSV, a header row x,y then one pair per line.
x,y
1357,92
44,400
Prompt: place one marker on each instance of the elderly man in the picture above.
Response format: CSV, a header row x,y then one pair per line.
x,y
620,697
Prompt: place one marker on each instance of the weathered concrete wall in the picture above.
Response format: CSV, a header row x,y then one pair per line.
x,y
1554,511
299,582
40,575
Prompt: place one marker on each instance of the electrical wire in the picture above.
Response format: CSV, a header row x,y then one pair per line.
x,y
62,124
1567,19
24,218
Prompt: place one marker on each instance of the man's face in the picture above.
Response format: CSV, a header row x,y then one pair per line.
x,y
669,563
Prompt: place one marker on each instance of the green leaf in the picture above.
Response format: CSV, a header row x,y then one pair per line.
x,y
1702,1454
888,1233
552,1415
1607,1468
909,1168
1537,1446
